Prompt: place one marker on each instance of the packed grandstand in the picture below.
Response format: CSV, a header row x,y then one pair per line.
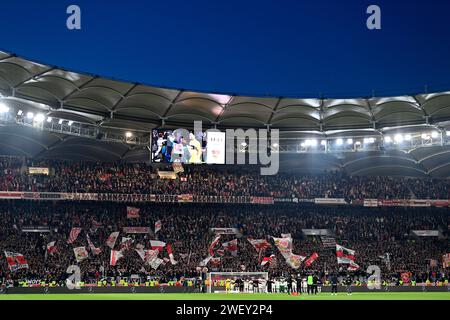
x,y
85,180
387,236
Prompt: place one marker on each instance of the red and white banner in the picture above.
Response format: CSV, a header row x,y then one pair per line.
x,y
231,246
126,243
170,252
352,266
311,259
259,244
213,245
370,203
111,242
73,235
91,245
80,253
15,261
114,257
215,262
157,245
133,212
267,260
344,255
51,247
158,225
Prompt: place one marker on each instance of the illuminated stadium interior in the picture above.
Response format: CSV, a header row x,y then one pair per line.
x,y
49,112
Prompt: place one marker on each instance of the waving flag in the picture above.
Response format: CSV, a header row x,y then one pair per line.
x,y
311,259
126,243
94,250
284,245
157,245
155,263
215,262
73,235
115,256
15,261
295,260
170,252
231,246
352,266
133,212
267,260
259,244
51,247
205,261
80,253
344,255
158,225
213,245
111,242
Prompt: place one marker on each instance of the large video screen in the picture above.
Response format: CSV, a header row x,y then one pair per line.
x,y
188,147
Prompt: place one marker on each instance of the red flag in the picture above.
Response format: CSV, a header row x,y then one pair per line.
x,y
51,247
259,244
267,260
231,246
112,239
133,212
352,266
74,234
15,260
213,245
170,252
115,256
157,245
344,255
311,259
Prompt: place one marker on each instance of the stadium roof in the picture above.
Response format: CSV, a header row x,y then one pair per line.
x,y
118,105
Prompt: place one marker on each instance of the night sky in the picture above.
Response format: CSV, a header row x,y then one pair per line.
x,y
280,48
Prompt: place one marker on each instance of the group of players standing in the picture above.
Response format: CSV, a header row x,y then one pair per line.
x,y
310,284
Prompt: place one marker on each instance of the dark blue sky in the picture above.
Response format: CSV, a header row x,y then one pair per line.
x,y
252,47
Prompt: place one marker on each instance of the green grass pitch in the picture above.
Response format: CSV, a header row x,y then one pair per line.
x,y
222,296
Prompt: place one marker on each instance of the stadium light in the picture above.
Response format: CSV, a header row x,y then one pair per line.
x,y
128,134
39,117
49,119
70,123
19,113
447,133
408,137
30,115
388,139
425,136
60,121
339,142
349,141
3,108
398,138
323,142
313,142
303,144
434,134
244,144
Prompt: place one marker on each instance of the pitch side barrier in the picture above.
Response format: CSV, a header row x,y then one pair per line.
x,y
173,289
192,198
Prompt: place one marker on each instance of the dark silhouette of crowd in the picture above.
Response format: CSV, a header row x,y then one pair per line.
x,y
89,177
372,232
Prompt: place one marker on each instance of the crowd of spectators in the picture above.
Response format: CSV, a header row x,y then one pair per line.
x,y
371,232
213,181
